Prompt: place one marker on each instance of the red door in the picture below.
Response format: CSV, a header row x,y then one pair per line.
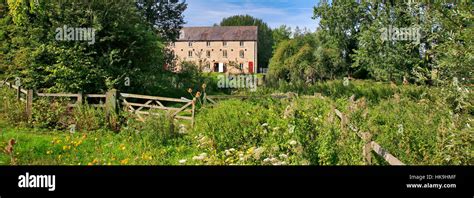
x,y
251,67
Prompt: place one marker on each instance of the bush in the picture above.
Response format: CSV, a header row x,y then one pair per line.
x,y
158,128
11,109
52,113
89,118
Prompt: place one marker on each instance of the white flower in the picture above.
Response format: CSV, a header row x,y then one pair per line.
x,y
293,142
258,152
283,156
182,161
264,124
291,128
200,157
232,150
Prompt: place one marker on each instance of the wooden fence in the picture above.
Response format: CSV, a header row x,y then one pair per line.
x,y
111,102
155,102
369,145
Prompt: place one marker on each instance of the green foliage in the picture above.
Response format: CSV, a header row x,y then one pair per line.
x,y
11,109
265,37
444,49
283,33
52,114
126,46
166,16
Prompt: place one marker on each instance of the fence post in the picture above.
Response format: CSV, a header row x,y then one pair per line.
x,y
110,103
79,98
18,93
193,112
29,104
367,149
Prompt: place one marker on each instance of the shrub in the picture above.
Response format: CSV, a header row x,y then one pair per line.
x,y
11,109
52,113
89,118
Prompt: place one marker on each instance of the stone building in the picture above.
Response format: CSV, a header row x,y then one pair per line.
x,y
230,49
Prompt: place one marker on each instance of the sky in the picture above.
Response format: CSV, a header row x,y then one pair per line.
x,y
274,12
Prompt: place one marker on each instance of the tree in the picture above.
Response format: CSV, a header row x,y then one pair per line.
x,y
280,34
294,61
341,20
165,15
265,37
125,46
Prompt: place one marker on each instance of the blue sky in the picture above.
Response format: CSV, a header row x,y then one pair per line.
x,y
274,12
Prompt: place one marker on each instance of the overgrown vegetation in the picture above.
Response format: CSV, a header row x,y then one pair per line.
x,y
415,124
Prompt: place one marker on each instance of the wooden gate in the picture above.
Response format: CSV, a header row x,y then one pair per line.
x,y
183,109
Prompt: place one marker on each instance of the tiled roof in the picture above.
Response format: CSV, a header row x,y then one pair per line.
x,y
227,33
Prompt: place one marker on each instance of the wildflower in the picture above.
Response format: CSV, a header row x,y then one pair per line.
x,y
291,128
283,156
49,152
190,90
204,86
123,162
182,161
264,124
292,142
122,147
266,160
198,94
200,157
258,152
95,161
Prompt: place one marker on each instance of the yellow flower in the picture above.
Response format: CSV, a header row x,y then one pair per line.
x,y
95,161
122,147
190,90
49,152
123,162
198,94
204,86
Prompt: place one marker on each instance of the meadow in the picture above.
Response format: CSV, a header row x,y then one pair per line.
x,y
417,124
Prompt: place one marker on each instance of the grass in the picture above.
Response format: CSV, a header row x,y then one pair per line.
x,y
46,147
418,125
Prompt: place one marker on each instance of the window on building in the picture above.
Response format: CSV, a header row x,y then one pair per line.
x,y
208,53
242,54
208,44
190,54
224,53
190,44
224,43
241,43
241,66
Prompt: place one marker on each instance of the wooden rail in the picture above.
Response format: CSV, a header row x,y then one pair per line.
x,y
369,145
156,102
